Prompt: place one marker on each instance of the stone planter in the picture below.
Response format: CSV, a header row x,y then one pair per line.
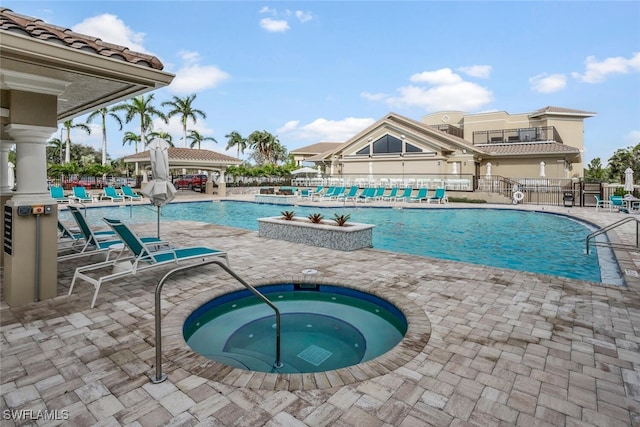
x,y
327,234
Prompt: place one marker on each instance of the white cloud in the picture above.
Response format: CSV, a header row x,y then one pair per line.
x,y
546,83
597,72
480,71
274,25
443,76
632,138
110,28
324,130
465,96
439,90
279,24
373,96
303,16
192,77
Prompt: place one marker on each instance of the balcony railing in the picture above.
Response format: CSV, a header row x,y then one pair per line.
x,y
520,135
450,129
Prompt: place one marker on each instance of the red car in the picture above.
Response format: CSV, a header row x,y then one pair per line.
x,y
190,181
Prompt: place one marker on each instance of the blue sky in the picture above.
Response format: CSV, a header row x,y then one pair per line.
x,y
322,71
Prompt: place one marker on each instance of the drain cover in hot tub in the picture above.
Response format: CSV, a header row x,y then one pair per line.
x,y
314,355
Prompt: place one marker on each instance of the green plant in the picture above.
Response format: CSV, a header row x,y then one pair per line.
x,y
341,220
619,192
288,215
315,218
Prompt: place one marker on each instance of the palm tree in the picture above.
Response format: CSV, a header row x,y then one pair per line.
x,y
162,135
141,107
264,143
68,125
182,107
236,140
196,138
56,145
103,113
130,137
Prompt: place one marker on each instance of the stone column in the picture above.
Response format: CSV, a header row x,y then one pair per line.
x,y
30,222
5,188
222,184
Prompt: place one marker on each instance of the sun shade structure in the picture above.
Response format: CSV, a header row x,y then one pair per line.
x,y
50,74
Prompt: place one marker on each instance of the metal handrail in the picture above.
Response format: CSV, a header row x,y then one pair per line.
x,y
159,376
611,227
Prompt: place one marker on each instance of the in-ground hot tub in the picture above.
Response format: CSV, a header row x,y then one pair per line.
x,y
323,327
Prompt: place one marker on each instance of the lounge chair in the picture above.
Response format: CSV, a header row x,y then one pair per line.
x,y
405,196
110,193
602,203
94,242
80,195
367,194
57,193
350,195
128,193
423,194
143,256
440,196
391,196
337,192
328,193
379,193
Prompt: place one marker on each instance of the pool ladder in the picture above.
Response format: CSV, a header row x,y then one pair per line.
x,y
616,224
159,375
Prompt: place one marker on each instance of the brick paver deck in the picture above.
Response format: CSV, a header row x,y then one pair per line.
x,y
504,347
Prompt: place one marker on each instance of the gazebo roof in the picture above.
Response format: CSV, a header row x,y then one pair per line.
x,y
189,158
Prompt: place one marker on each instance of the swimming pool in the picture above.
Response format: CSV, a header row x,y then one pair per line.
x,y
323,327
522,240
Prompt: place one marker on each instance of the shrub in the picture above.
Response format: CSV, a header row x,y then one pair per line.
x,y
315,218
341,220
288,215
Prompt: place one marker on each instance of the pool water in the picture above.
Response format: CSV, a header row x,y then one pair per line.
x,y
323,328
536,242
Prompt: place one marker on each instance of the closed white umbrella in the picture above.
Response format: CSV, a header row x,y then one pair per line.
x,y
305,170
628,180
488,169
542,165
454,168
159,190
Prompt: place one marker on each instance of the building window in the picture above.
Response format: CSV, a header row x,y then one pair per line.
x,y
409,148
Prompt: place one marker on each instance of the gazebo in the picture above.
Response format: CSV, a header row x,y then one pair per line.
x,y
189,158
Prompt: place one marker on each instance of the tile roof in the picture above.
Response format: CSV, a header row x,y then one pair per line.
x,y
189,154
317,148
528,148
38,29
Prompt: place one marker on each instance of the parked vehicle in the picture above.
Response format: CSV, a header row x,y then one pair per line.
x,y
190,181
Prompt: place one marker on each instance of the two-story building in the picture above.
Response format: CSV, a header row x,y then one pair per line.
x,y
544,143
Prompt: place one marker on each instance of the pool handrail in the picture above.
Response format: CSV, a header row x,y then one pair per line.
x,y
616,224
159,376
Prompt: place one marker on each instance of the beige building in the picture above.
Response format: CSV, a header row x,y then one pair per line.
x,y
545,143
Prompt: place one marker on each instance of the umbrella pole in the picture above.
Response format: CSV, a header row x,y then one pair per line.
x,y
158,222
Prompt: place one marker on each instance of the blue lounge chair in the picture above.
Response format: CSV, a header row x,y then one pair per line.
x,y
406,194
337,192
378,193
80,195
350,195
57,193
367,194
602,203
440,196
423,194
128,193
110,193
94,242
391,196
143,256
